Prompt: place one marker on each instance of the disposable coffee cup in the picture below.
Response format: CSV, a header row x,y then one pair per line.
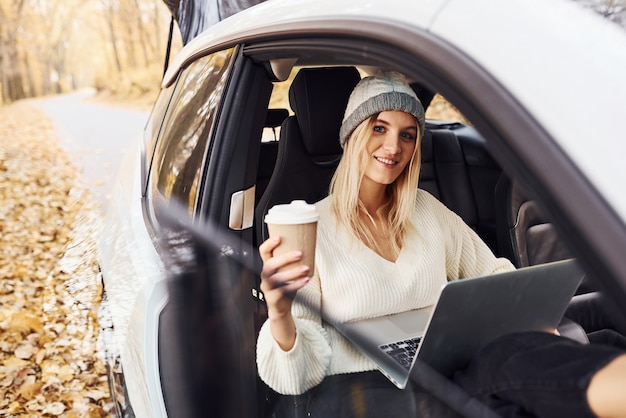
x,y
296,225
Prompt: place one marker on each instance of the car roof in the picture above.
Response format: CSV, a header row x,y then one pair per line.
x,y
563,63
278,17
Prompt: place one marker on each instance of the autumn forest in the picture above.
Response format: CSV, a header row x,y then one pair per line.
x,y
55,46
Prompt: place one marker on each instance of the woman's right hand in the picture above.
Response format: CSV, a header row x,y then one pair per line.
x,y
279,284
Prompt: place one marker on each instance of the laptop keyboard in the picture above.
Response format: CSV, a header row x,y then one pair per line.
x,y
402,351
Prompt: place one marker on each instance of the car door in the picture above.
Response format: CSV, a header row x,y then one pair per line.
x,y
178,141
203,170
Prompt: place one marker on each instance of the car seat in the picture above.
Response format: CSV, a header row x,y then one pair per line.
x,y
268,150
527,238
525,235
308,146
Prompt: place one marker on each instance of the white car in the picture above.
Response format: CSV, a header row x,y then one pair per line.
x,y
541,81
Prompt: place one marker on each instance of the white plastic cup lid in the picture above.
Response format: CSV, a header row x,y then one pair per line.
x,y
297,212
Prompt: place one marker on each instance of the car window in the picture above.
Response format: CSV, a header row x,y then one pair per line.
x,y
440,109
279,99
154,123
180,151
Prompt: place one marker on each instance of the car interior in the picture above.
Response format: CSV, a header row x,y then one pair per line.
x,y
294,159
456,168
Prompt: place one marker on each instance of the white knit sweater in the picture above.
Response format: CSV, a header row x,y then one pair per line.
x,y
353,282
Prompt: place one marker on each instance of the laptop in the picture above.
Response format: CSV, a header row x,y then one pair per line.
x,y
468,314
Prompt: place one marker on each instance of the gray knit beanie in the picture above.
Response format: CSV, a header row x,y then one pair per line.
x,y
380,93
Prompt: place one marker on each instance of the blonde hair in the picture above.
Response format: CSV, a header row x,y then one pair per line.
x,y
402,193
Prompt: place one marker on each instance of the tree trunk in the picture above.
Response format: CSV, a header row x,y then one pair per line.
x,y
113,37
142,30
12,86
159,43
15,88
28,72
12,80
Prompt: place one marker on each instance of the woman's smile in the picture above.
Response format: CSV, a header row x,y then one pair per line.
x,y
386,161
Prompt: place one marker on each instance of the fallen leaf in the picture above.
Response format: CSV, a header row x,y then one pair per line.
x,y
25,322
55,408
29,389
24,351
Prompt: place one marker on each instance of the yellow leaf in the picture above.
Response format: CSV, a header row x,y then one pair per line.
x,y
25,321
14,408
29,390
14,362
51,369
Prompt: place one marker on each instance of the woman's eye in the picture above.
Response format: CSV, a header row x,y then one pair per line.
x,y
407,136
379,129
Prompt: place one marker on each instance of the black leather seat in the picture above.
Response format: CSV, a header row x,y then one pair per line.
x,y
458,170
268,151
444,174
308,148
525,235
527,238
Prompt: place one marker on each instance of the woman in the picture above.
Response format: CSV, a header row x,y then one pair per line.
x,y
383,246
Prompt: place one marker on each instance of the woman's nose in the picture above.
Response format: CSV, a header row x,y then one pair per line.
x,y
392,144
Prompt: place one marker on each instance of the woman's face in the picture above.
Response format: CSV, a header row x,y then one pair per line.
x,y
390,146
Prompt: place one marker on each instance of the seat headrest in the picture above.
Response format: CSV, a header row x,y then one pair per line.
x,y
423,93
319,96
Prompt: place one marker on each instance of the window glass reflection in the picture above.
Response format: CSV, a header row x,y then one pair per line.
x,y
186,130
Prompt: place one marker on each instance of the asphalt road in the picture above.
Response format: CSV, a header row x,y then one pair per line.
x,y
96,136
